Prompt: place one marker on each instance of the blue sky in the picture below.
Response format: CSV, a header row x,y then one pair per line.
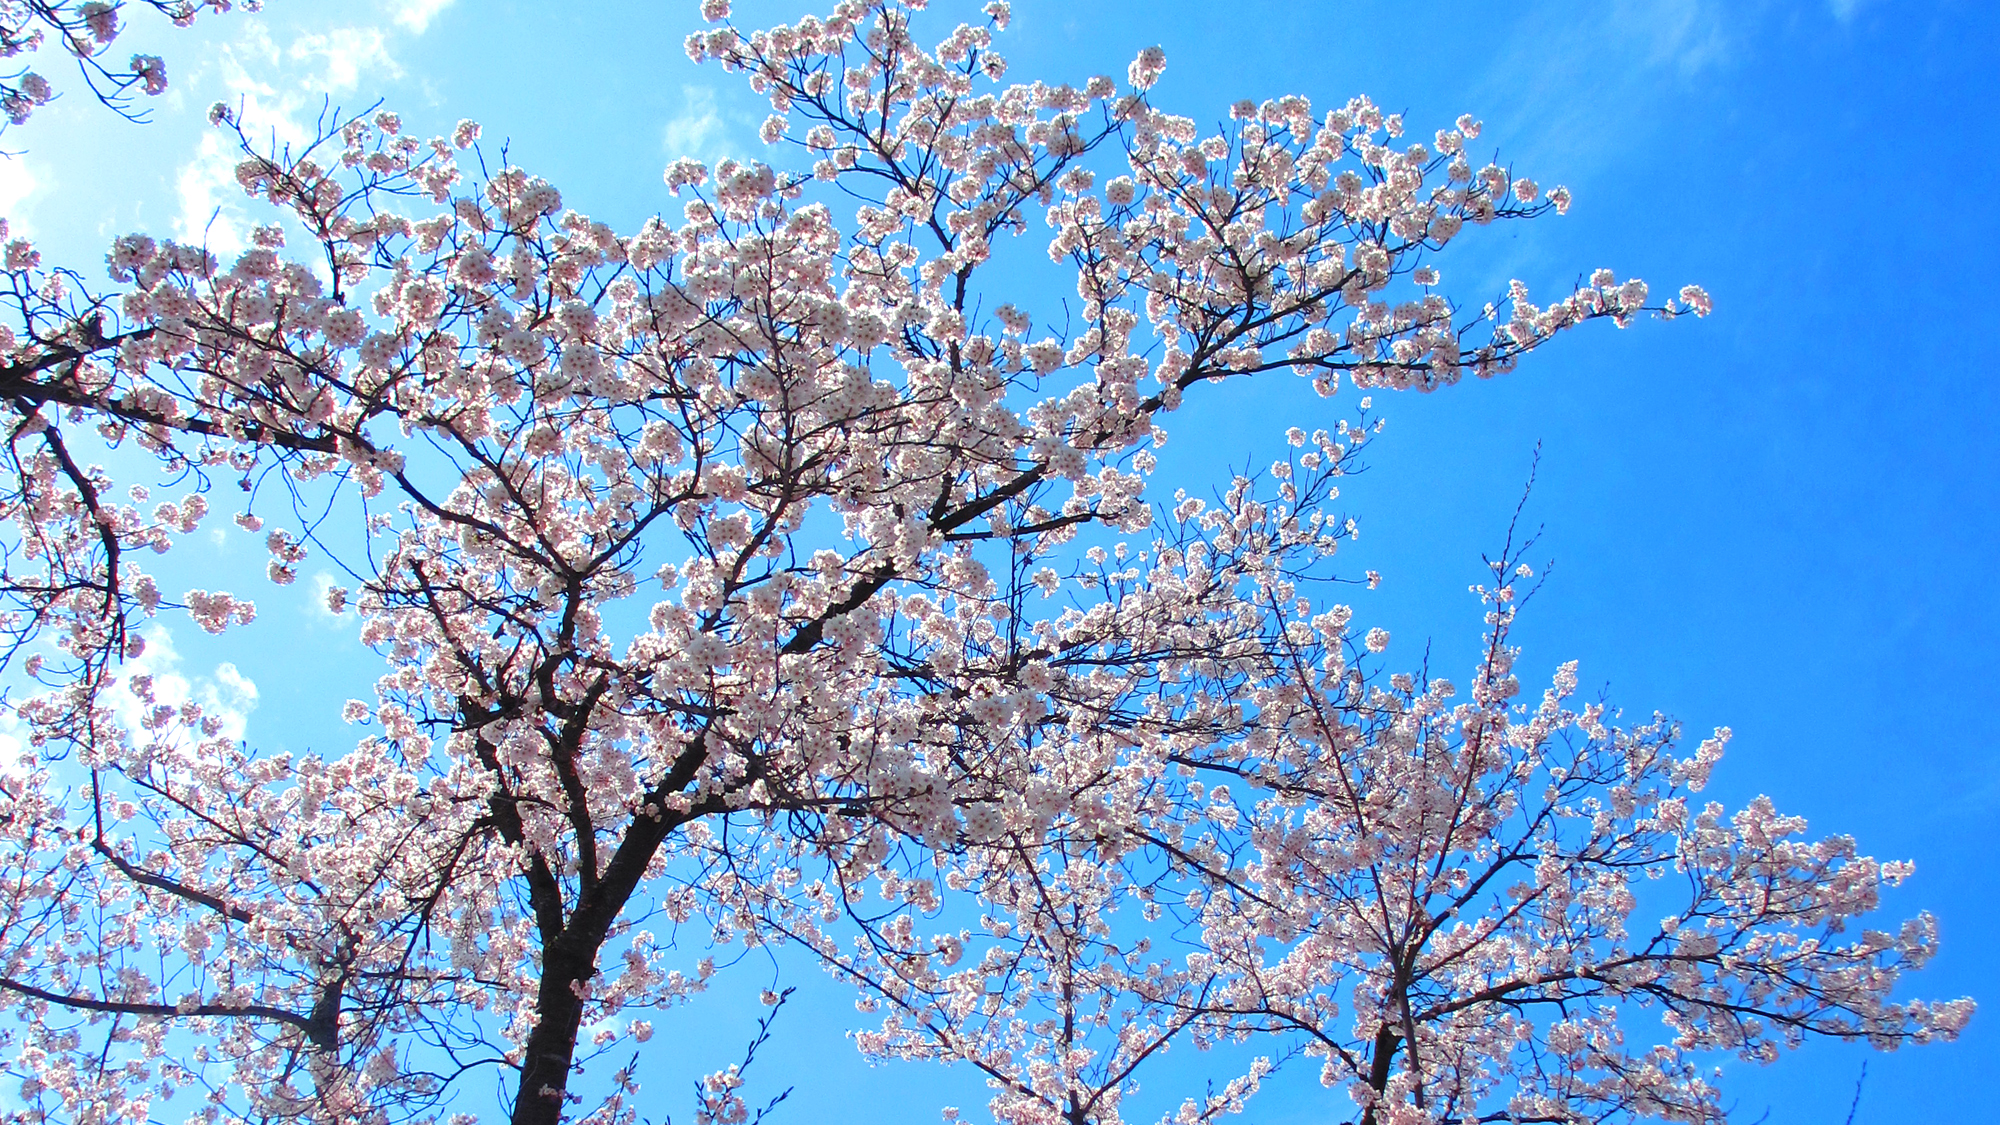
x,y
1782,518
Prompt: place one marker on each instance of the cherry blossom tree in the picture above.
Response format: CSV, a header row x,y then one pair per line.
x,y
710,566
1444,903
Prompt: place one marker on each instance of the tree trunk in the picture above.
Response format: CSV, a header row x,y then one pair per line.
x,y
543,1093
1386,1044
569,958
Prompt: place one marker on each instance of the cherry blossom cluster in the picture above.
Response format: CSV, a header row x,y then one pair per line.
x,y
85,31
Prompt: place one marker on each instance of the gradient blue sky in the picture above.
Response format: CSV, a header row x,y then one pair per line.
x,y
1782,518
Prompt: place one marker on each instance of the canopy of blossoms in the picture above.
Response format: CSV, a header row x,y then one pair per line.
x,y
771,573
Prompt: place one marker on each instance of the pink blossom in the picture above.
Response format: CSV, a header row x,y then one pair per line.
x,y
152,73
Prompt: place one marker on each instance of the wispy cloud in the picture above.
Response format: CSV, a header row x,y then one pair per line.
x,y
347,53
225,694
210,214
17,759
699,130
1571,90
1688,35
1845,10
274,96
416,15
17,185
321,611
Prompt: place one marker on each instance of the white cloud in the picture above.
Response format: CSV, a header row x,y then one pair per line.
x,y
699,131
1567,90
274,97
1687,34
321,610
416,15
17,761
209,213
230,691
349,52
225,694
1845,10
17,185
